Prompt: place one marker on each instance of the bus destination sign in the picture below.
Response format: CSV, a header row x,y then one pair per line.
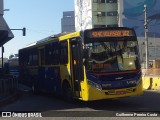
x,y
110,33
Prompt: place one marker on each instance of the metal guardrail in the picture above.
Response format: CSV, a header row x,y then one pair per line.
x,y
8,86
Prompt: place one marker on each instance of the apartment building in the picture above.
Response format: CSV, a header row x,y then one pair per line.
x,y
95,13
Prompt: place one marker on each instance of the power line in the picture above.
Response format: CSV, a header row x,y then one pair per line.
x,y
46,32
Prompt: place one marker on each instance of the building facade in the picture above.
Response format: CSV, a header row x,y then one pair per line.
x,y
153,48
95,13
133,16
68,22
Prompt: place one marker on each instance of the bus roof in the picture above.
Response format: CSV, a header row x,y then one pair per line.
x,y
70,35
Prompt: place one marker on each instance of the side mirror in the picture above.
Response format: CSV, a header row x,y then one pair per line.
x,y
85,53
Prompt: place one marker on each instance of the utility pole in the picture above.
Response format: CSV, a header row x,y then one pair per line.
x,y
146,34
155,46
120,13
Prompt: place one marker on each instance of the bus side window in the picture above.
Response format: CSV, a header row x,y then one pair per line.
x,y
55,53
30,59
41,56
35,59
24,58
48,54
63,52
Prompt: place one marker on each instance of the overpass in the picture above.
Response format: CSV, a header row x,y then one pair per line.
x,y
8,84
5,32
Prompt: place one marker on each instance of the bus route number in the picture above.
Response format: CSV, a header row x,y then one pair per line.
x,y
111,33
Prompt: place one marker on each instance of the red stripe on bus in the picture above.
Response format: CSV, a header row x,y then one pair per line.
x,y
113,73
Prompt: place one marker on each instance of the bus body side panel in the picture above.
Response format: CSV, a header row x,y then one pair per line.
x,y
44,78
65,74
49,78
84,93
24,76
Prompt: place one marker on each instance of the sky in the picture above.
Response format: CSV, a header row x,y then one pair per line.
x,y
41,18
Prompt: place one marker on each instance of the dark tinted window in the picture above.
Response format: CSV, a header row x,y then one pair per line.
x,y
52,54
64,52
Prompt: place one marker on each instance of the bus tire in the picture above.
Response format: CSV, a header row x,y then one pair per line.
x,y
67,92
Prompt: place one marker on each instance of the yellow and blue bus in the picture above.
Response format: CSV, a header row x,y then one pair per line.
x,y
95,64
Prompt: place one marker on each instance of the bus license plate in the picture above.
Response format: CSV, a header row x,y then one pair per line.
x,y
120,92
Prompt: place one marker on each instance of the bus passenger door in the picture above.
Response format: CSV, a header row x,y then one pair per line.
x,y
75,67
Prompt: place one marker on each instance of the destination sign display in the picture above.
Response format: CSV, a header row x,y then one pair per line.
x,y
110,33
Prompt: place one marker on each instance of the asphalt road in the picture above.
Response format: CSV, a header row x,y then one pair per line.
x,y
51,106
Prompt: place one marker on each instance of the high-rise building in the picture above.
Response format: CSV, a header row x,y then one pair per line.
x,y
95,13
68,22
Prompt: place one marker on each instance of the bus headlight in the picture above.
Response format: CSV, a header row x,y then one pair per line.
x,y
98,86
95,85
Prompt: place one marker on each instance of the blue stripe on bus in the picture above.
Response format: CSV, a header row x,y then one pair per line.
x,y
115,81
49,79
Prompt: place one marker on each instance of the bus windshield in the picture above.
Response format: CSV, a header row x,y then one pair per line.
x,y
112,56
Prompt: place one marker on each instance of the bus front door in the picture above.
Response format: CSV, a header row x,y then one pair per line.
x,y
75,68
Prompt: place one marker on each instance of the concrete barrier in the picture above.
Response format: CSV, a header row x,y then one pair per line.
x,y
156,83
146,83
151,83
151,79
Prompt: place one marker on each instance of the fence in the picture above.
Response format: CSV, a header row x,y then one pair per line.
x,y
8,86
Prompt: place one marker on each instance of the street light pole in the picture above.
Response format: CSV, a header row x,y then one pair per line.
x,y
142,47
146,34
6,10
23,31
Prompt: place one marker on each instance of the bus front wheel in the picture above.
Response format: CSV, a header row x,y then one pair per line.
x,y
67,92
